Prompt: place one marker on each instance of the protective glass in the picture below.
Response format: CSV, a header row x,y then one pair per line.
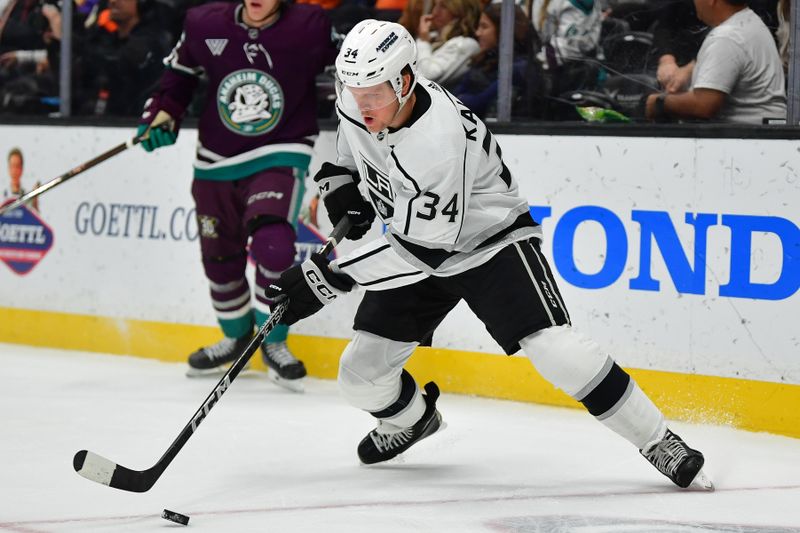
x,y
364,99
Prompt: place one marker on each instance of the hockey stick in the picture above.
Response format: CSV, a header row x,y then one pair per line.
x,y
160,120
101,470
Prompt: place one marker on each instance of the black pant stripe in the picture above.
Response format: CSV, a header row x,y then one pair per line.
x,y
608,392
408,388
526,263
548,278
552,299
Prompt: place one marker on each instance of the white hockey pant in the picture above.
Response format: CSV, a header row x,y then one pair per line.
x,y
371,377
576,365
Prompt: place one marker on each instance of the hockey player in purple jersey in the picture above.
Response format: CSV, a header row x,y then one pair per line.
x,y
256,134
456,229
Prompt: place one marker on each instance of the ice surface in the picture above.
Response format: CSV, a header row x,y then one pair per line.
x,y
269,460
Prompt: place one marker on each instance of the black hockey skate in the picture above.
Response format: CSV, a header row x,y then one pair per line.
x,y
379,446
212,359
284,368
673,458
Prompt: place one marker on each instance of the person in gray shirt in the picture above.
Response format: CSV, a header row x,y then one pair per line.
x,y
738,76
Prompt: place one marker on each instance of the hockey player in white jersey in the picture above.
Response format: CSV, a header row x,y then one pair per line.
x,y
456,228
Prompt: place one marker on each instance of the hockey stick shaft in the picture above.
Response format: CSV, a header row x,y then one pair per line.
x,y
101,470
27,197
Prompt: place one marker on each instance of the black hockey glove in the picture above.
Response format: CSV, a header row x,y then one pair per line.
x,y
339,190
309,286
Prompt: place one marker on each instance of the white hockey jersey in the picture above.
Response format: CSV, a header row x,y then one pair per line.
x,y
439,184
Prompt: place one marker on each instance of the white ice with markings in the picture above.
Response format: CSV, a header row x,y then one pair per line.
x,y
269,460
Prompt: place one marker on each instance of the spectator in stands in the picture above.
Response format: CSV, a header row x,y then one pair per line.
x,y
21,25
737,76
478,87
411,15
121,68
51,31
676,40
444,57
27,70
324,4
677,37
783,33
390,5
569,30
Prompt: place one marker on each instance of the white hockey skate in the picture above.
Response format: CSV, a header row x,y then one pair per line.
x,y
284,368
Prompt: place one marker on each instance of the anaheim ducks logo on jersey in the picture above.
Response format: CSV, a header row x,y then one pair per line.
x,y
250,102
380,190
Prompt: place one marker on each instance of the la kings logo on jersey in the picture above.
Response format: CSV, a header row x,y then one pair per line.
x,y
250,102
379,189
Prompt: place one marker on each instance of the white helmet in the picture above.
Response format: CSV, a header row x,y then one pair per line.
x,y
376,51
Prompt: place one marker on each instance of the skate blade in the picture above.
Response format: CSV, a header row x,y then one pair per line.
x,y
216,372
294,385
703,482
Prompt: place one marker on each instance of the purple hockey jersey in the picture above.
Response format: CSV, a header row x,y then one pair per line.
x,y
260,110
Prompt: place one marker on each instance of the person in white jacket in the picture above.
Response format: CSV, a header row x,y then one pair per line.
x,y
445,58
569,30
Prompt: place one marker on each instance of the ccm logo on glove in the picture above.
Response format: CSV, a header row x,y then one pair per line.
x,y
308,287
319,285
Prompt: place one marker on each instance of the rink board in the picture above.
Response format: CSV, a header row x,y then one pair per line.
x,y
746,404
680,256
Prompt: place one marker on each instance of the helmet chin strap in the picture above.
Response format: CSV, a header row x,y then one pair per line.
x,y
404,99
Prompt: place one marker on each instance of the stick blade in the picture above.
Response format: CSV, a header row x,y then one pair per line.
x,y
101,470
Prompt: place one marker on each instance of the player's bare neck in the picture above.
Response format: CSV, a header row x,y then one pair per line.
x,y
404,114
268,20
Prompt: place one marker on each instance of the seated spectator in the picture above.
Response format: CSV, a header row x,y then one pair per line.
x,y
390,5
26,75
324,4
22,24
445,58
676,40
34,49
411,15
569,30
738,75
783,33
478,87
677,37
120,68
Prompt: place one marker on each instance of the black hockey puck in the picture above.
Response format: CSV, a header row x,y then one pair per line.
x,y
178,518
